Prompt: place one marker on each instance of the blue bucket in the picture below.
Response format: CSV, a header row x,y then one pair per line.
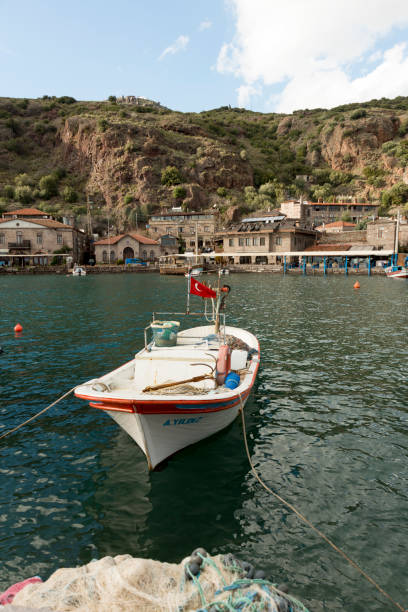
x,y
232,380
165,332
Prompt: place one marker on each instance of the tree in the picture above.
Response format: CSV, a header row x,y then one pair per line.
x,y
70,195
24,194
49,186
23,179
179,193
396,196
112,99
170,176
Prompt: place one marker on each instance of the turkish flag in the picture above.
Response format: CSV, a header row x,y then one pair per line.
x,y
203,291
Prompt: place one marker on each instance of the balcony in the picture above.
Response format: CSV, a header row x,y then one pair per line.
x,y
24,244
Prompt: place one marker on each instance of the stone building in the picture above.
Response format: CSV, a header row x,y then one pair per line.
x,y
186,226
262,239
126,246
313,214
29,236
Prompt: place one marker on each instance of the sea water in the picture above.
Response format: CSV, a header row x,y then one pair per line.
x,y
326,425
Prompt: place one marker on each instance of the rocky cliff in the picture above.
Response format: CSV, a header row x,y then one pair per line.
x,y
117,155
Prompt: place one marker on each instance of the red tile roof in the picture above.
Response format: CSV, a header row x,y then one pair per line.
x,y
337,224
139,237
44,222
25,211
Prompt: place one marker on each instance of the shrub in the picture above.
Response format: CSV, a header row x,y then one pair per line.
x,y
358,114
70,195
24,194
222,192
396,196
112,99
66,100
131,147
23,179
60,173
128,198
103,125
179,193
15,145
8,191
403,128
49,186
170,176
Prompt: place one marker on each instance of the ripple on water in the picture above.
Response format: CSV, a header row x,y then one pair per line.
x,y
326,423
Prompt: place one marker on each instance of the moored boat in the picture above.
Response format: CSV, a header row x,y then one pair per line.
x,y
78,271
182,386
396,272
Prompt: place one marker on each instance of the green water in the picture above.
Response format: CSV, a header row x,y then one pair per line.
x,y
326,425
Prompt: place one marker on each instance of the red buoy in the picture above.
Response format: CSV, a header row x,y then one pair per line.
x,y
18,328
356,285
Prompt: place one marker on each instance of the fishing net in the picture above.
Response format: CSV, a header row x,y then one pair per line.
x,y
123,583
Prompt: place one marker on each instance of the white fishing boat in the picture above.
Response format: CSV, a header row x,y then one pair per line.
x,y
224,271
396,272
78,271
182,386
194,272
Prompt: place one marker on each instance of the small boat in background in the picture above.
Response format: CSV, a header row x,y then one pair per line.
x,y
396,272
194,272
183,386
223,271
78,271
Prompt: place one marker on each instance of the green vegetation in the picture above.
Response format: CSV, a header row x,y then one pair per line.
x,y
179,193
235,157
170,176
396,196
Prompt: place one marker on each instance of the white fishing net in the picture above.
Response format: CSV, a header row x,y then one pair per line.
x,y
124,583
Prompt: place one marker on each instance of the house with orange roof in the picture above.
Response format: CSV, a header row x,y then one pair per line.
x,y
336,227
30,236
126,246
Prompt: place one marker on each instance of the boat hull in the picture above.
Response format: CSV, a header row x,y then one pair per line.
x,y
161,435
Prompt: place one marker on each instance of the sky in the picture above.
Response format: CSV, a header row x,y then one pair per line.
x,y
194,55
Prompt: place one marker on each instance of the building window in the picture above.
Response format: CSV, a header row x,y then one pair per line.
x,y
104,256
19,237
278,240
192,243
262,241
144,255
180,230
255,241
151,255
230,242
169,229
207,228
59,238
247,242
240,241
112,256
39,238
380,233
1,238
245,259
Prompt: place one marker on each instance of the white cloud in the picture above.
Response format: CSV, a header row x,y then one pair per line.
x,y
309,48
246,93
204,25
179,45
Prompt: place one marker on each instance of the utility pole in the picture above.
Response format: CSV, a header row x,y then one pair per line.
x,y
89,218
109,245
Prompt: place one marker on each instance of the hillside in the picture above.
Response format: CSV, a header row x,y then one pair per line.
x,y
57,152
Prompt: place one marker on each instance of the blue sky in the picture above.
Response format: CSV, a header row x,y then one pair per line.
x,y
267,55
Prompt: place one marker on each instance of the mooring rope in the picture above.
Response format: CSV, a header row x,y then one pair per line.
x,y
305,520
38,413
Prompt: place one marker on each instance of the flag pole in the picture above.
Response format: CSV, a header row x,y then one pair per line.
x,y
188,293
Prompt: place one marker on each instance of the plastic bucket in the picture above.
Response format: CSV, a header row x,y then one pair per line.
x,y
165,332
232,380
